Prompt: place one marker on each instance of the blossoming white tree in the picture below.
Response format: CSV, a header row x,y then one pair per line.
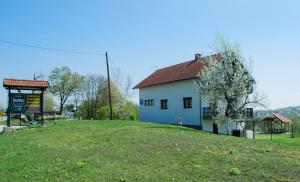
x,y
227,82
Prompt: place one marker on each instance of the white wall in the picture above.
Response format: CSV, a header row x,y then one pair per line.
x,y
174,92
207,125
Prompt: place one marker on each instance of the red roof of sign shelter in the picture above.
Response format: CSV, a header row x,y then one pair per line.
x,y
25,84
182,71
279,117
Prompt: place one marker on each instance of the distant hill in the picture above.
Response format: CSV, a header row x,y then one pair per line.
x,y
287,111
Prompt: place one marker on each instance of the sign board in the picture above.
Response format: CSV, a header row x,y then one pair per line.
x,y
33,103
17,103
25,103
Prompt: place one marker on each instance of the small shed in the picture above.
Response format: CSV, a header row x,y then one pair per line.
x,y
269,124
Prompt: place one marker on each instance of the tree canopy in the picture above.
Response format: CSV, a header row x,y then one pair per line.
x,y
227,83
64,83
95,100
49,103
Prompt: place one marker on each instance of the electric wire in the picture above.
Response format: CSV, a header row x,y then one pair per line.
x,y
49,49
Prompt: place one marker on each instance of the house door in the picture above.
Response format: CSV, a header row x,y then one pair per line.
x,y
215,128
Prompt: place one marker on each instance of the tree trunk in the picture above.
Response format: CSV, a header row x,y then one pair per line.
x,y
61,107
228,110
228,107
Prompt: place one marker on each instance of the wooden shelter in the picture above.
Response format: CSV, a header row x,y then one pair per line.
x,y
20,102
269,122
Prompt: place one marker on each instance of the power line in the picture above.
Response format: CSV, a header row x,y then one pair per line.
x,y
113,63
49,49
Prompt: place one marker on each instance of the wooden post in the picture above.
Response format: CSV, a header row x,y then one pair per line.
x,y
285,127
20,119
271,130
253,122
9,108
54,117
293,129
42,106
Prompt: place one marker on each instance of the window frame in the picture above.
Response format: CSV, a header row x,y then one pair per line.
x,y
164,104
187,102
149,102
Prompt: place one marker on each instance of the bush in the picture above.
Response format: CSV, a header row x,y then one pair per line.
x,y
127,111
234,171
103,113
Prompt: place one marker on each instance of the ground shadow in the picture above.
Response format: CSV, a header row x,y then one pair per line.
x,y
173,127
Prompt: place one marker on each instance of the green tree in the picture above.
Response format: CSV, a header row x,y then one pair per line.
x,y
128,111
49,103
90,94
116,94
95,97
103,113
63,84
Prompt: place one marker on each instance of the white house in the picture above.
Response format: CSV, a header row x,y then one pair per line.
x,y
169,93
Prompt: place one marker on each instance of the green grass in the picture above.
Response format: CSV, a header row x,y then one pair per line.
x,y
133,151
283,140
13,122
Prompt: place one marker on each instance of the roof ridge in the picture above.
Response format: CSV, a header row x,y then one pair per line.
x,y
193,60
174,65
14,79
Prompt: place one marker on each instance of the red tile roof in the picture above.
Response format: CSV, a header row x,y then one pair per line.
x,y
25,83
182,71
279,117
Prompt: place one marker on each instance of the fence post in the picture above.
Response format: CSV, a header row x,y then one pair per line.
x,y
293,130
253,122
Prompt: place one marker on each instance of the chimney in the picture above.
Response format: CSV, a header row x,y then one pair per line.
x,y
197,57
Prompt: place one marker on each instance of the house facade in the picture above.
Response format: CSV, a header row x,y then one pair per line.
x,y
169,95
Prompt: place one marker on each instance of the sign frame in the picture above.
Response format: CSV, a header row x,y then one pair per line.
x,y
17,102
26,103
33,103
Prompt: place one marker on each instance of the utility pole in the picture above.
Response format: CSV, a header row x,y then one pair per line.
x,y
109,92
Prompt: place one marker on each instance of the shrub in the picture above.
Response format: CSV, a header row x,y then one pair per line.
x,y
234,171
103,113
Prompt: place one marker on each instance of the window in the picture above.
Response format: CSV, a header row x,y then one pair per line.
x,y
187,102
141,101
149,102
164,104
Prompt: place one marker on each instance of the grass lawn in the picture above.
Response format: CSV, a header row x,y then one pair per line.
x,y
133,151
284,140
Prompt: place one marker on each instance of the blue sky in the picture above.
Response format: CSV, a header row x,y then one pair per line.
x,y
141,36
